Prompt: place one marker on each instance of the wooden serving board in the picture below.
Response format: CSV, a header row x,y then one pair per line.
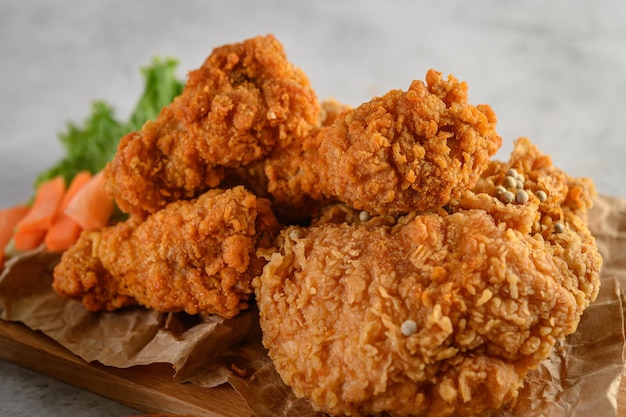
x,y
149,389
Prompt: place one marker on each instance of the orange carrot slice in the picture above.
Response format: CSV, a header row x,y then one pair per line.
x,y
78,182
44,209
65,231
28,240
63,234
91,207
8,220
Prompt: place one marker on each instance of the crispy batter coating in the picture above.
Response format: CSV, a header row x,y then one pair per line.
x,y
434,314
196,256
245,99
293,180
560,219
288,170
408,151
405,151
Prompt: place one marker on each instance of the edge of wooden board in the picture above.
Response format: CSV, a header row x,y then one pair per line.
x,y
149,389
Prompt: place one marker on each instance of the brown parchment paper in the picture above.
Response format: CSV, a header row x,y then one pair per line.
x,y
581,378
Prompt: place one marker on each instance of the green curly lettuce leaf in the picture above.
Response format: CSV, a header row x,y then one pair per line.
x,y
92,144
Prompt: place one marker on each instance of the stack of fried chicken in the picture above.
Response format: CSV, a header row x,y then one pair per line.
x,y
397,269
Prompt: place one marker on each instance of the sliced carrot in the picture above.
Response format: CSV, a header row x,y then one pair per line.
x,y
91,207
78,182
42,212
28,240
63,234
65,231
8,220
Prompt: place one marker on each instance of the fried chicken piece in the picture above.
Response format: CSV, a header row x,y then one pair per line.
x,y
402,152
435,314
292,179
285,161
556,211
196,256
479,305
244,100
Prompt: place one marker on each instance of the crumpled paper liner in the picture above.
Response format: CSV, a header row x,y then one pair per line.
x,y
581,377
129,337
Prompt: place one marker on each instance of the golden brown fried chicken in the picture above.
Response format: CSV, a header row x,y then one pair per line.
x,y
196,256
244,100
405,151
547,203
434,314
293,164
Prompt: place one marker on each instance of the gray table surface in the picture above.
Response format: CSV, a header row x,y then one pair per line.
x,y
553,71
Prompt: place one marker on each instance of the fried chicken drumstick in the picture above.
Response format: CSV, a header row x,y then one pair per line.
x,y
197,256
244,100
434,314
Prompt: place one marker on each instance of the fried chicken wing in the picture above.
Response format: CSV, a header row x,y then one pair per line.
x,y
405,151
244,100
196,256
433,314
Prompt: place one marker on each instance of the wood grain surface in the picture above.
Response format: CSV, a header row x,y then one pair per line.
x,y
149,389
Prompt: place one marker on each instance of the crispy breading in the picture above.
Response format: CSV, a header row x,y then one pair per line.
x,y
293,179
560,219
408,151
282,176
245,99
405,151
435,314
196,256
